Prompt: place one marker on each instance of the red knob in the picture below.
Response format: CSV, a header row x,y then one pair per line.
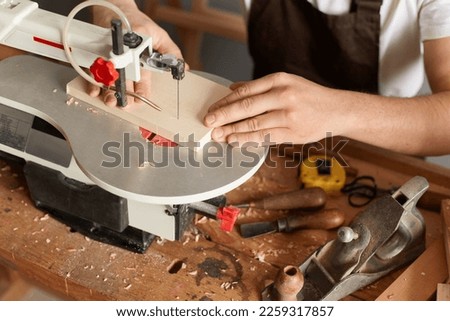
x,y
104,72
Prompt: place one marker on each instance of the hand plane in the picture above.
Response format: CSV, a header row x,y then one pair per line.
x,y
388,234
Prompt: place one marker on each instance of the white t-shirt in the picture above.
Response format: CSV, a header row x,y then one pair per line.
x,y
404,25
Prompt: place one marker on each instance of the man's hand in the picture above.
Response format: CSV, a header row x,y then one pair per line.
x,y
280,107
291,109
141,24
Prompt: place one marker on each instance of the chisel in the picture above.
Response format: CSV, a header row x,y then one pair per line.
x,y
325,219
304,198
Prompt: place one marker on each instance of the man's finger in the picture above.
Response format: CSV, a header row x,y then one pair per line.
x,y
243,90
93,91
262,137
274,119
109,98
242,109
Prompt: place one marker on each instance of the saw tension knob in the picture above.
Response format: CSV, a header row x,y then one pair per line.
x,y
104,72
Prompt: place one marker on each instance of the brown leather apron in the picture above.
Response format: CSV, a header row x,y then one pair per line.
x,y
339,51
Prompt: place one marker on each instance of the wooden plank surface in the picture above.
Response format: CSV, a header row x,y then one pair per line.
x,y
195,96
443,292
47,252
419,281
209,263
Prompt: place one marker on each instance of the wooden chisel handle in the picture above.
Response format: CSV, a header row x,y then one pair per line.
x,y
326,219
304,198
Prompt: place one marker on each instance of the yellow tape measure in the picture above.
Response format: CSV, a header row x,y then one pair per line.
x,y
322,171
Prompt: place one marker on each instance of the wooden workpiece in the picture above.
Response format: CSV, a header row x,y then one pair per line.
x,y
207,264
181,123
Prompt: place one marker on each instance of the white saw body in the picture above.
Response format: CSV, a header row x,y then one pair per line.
x,y
90,152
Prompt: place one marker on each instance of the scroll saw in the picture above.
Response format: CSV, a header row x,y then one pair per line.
x,y
67,166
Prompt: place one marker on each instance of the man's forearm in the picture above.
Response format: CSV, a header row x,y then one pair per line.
x,y
416,126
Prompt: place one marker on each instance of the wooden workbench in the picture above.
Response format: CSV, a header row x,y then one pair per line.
x,y
207,264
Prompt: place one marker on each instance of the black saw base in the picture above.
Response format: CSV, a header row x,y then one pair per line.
x,y
131,238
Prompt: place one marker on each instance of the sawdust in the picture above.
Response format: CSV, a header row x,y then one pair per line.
x,y
259,255
70,101
228,285
160,241
92,110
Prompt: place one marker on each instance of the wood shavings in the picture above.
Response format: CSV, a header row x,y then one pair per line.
x,y
160,241
228,285
15,229
112,256
193,273
128,287
92,110
202,220
44,218
47,241
6,168
70,101
277,252
260,256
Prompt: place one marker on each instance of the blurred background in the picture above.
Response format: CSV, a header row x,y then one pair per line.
x,y
217,54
